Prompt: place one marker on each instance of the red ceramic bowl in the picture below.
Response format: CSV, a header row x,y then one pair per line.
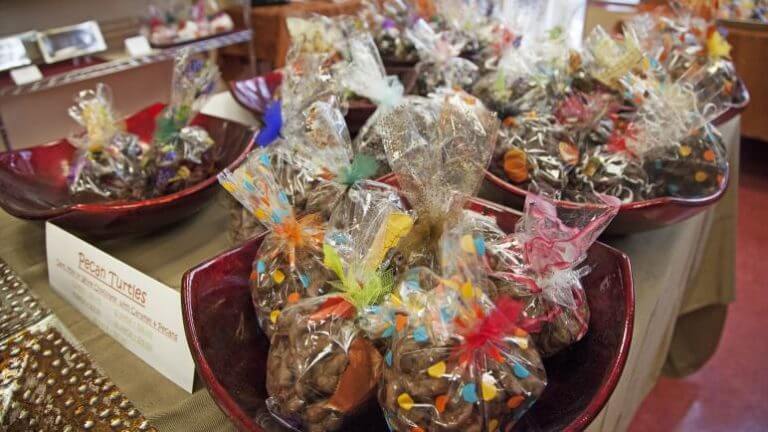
x,y
230,350
33,183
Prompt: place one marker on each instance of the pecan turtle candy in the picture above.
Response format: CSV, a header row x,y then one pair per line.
x,y
427,386
320,370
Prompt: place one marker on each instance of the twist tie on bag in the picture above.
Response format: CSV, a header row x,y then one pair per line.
x,y
273,125
360,288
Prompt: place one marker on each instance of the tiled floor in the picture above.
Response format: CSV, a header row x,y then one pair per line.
x,y
730,393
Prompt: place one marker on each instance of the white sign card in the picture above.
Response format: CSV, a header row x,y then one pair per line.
x,y
137,46
141,313
26,75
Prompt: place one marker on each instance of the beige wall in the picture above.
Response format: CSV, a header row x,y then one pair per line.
x,y
21,15
41,117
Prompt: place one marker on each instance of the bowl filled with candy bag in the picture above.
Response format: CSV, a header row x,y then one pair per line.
x,y
231,351
107,187
618,126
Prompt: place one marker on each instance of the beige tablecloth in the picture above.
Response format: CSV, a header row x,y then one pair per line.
x,y
683,277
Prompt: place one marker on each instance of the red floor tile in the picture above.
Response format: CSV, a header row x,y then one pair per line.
x,y
730,393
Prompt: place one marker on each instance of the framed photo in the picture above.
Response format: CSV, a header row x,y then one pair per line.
x,y
68,42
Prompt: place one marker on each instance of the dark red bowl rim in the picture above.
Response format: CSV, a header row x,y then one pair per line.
x,y
118,206
232,409
220,395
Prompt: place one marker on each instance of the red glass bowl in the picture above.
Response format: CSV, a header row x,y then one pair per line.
x,y
230,350
33,183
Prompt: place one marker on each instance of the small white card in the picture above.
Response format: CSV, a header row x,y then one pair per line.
x,y
137,46
141,313
26,75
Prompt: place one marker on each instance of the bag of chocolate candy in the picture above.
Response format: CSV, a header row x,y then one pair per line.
x,y
387,21
108,160
315,35
321,369
681,151
541,265
306,79
440,64
289,263
182,152
690,46
341,178
438,162
456,360
530,74
471,21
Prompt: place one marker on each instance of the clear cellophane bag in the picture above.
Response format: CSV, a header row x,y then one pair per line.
x,y
108,160
454,359
682,153
289,263
182,152
542,264
438,156
688,45
439,64
307,78
321,369
364,75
